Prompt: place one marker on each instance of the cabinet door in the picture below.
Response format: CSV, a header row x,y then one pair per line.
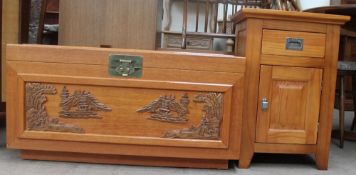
x,y
291,109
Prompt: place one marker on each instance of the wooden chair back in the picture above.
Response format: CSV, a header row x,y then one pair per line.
x,y
211,10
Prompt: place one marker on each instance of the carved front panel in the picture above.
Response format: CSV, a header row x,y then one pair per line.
x,y
124,111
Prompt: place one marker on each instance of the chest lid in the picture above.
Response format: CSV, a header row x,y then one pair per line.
x,y
136,59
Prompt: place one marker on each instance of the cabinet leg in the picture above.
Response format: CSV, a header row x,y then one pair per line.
x,y
322,160
354,100
342,112
322,152
245,160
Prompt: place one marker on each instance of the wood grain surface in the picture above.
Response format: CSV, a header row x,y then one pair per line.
x,y
119,24
288,16
293,110
328,97
10,34
125,160
274,43
317,61
123,131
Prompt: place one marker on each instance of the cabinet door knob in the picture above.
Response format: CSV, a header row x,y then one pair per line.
x,y
264,104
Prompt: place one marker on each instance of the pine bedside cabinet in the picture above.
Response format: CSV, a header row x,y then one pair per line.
x,y
291,65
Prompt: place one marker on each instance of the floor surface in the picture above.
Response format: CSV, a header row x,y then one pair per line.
x,y
342,162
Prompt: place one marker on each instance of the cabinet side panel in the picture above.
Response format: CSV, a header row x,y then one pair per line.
x,y
252,75
328,96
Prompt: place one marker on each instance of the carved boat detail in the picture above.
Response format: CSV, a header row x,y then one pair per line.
x,y
80,105
167,109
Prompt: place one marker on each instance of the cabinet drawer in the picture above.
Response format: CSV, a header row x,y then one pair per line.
x,y
288,43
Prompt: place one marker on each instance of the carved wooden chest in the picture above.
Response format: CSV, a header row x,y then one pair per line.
x,y
124,106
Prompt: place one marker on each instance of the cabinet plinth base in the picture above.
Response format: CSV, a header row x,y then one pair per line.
x,y
125,160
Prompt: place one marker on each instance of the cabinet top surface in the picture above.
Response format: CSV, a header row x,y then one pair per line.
x,y
289,16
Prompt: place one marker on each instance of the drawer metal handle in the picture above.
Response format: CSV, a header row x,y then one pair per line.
x,y
125,66
264,104
295,44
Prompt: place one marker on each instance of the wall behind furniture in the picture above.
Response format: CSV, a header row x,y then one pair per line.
x,y
117,23
307,4
10,32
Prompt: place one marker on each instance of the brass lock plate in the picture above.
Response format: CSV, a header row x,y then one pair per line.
x,y
125,66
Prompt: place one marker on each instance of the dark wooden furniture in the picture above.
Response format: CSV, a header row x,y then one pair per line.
x,y
34,16
344,9
25,12
2,104
348,2
345,101
52,12
346,69
50,22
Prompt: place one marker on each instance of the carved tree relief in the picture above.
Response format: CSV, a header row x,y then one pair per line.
x,y
163,109
37,118
209,126
80,105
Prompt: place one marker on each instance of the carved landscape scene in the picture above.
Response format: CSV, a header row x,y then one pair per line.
x,y
123,111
